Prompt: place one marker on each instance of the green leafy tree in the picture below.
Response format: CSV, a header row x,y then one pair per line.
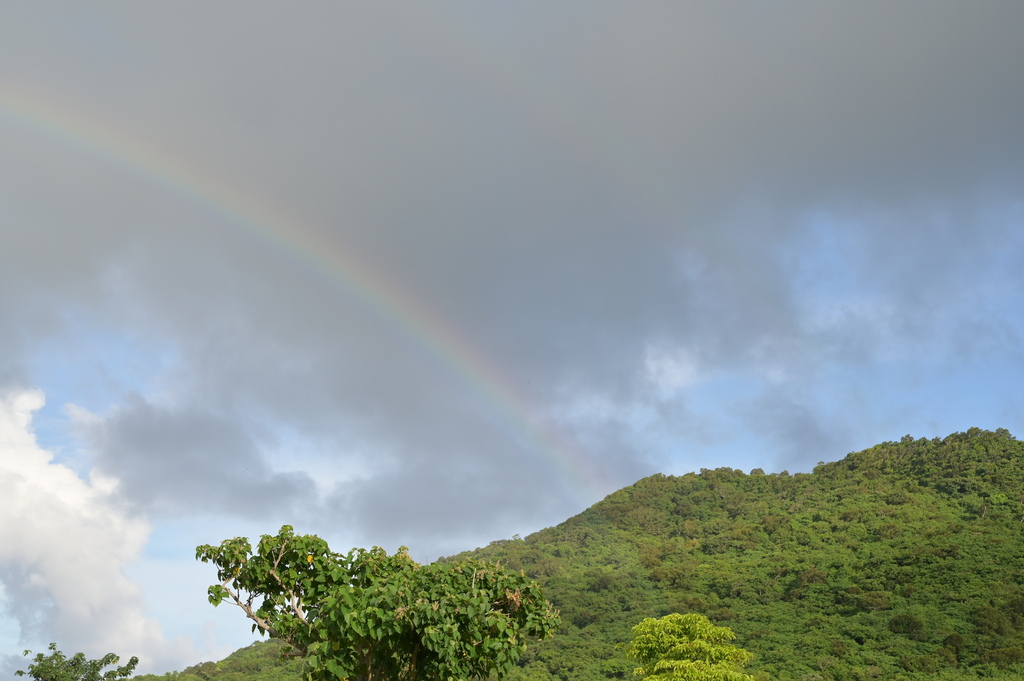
x,y
687,648
370,616
57,667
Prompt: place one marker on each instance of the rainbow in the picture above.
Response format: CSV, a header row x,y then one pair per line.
x,y
397,306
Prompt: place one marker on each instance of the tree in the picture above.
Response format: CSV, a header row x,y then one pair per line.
x,y
687,648
370,616
56,667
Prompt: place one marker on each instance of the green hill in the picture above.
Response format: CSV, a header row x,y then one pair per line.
x,y
903,561
260,661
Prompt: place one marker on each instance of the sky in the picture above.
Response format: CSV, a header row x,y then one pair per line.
x,y
437,274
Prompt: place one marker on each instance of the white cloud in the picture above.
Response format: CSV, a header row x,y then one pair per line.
x,y
670,370
63,545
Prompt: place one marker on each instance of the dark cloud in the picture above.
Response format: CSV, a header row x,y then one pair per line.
x,y
769,194
175,461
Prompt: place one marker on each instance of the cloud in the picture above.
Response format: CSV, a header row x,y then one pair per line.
x,y
174,461
643,181
670,371
63,545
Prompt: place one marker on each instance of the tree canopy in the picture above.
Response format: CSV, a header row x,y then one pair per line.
x,y
370,616
686,648
57,667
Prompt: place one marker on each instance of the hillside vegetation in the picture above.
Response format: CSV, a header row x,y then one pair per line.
x,y
260,661
903,561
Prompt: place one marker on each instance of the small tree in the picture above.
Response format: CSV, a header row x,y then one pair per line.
x,y
687,648
56,667
369,616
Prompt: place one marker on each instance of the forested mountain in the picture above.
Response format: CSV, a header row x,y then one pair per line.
x,y
903,561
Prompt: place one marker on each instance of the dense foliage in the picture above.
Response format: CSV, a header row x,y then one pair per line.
x,y
370,616
686,648
901,562
57,667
